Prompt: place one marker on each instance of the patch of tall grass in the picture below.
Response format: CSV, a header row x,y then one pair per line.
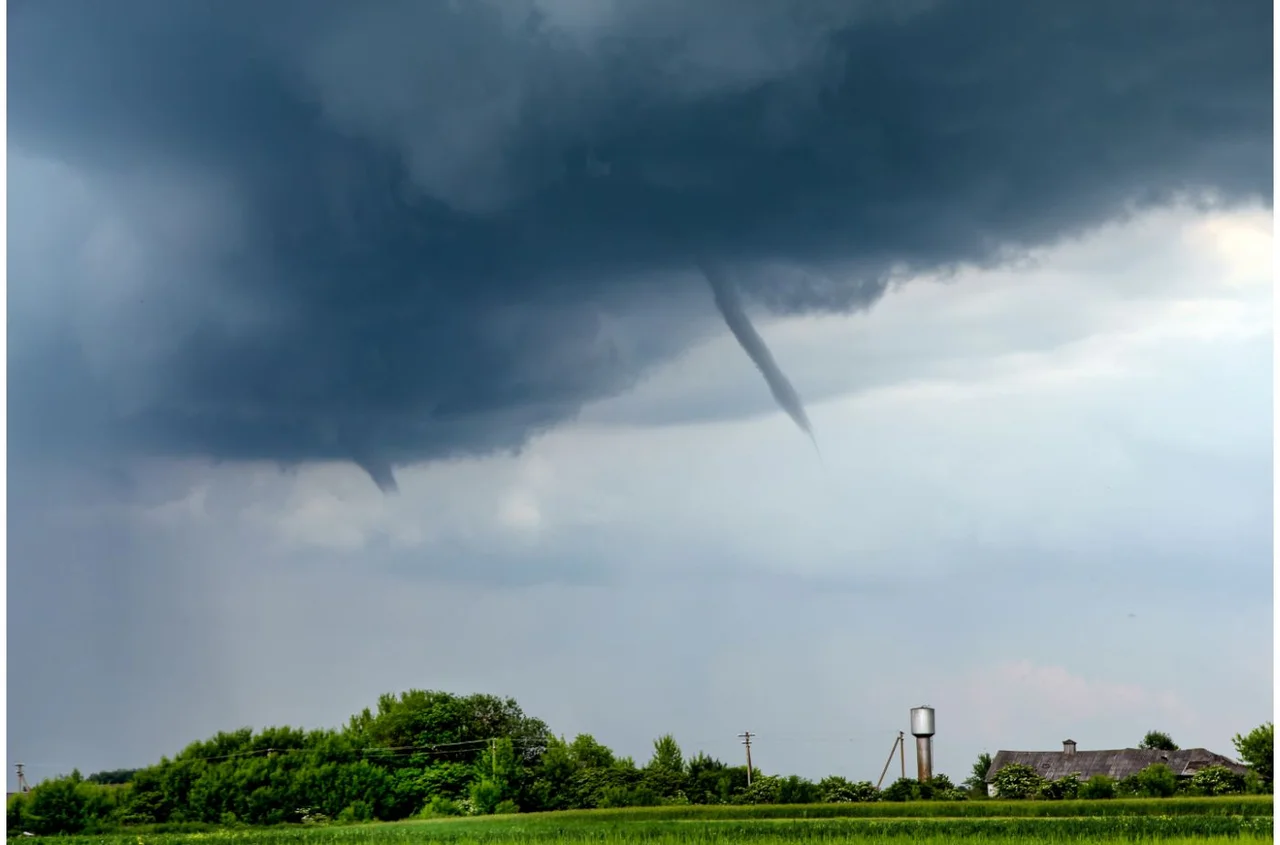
x,y
572,829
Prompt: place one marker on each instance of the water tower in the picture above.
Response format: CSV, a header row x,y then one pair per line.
x,y
922,730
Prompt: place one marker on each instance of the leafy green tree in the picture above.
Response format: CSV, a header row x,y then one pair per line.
x,y
605,786
665,773
551,786
703,779
446,779
590,754
667,754
1256,749
115,776
500,763
1017,780
419,718
976,782
1158,741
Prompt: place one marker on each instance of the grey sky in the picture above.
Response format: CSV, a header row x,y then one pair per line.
x,y
707,575
456,244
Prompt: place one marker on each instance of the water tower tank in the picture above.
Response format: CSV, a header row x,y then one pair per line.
x,y
921,721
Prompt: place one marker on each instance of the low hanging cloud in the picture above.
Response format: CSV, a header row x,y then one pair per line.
x,y
395,232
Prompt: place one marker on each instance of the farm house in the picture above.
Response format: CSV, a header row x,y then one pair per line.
x,y
1115,763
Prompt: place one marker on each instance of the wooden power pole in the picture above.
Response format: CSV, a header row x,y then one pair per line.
x,y
745,736
889,762
902,753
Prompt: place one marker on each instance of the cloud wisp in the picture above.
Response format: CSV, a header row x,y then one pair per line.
x,y
394,233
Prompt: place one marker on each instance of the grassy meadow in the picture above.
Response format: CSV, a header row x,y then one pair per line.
x,y
1177,820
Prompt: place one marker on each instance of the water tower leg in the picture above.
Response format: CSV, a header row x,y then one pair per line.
x,y
924,757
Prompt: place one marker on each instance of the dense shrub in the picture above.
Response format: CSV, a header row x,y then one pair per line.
x,y
838,790
797,790
1065,788
1016,781
1155,781
902,789
1217,780
1098,787
441,807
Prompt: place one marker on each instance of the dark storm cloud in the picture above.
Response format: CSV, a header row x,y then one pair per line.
x,y
394,231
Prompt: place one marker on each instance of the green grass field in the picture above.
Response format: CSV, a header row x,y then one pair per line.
x,y
1218,820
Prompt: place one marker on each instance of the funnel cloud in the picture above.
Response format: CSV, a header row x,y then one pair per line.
x,y
729,304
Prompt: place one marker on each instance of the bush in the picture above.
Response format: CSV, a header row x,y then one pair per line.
x,y
506,808
62,805
796,790
763,790
1155,781
16,814
440,807
902,789
1063,789
838,790
1016,781
614,797
1098,787
1217,780
485,795
940,788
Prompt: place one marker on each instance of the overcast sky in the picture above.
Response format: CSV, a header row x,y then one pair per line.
x,y
1021,278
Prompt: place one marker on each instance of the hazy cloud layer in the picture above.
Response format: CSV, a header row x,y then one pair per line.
x,y
398,231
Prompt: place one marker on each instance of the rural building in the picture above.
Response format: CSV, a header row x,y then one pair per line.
x,y
1117,763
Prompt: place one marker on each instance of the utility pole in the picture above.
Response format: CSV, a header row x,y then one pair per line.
x,y
493,756
23,786
889,762
745,736
902,752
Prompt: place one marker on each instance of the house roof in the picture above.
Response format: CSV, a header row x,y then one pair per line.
x,y
1116,763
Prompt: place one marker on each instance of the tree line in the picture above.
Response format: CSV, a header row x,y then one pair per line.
x,y
425,754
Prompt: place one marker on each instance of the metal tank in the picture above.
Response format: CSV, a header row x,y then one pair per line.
x,y
922,721
922,729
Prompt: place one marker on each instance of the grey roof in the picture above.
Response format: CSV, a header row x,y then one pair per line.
x,y
1116,763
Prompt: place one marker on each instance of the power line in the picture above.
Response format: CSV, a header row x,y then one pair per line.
x,y
439,749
